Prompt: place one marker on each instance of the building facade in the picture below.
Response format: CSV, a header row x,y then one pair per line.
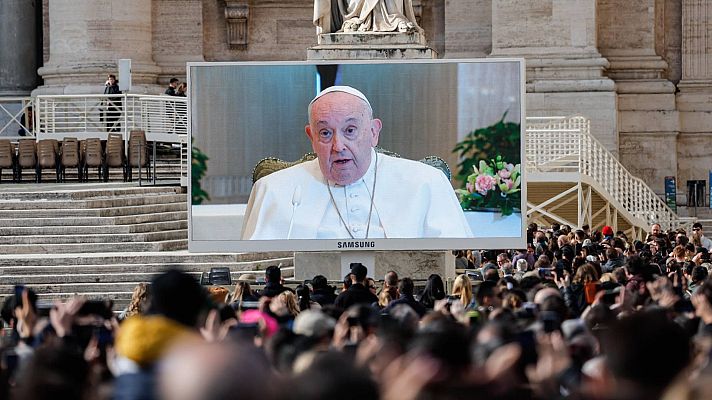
x,y
640,70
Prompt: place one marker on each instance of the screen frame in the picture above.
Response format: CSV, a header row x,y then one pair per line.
x,y
407,244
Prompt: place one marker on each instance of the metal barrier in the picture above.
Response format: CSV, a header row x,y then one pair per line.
x,y
16,119
162,118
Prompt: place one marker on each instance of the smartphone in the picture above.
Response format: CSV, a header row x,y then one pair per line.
x,y
545,273
550,320
609,297
244,332
10,360
19,289
104,336
96,307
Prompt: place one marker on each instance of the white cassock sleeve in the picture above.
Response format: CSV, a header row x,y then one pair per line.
x,y
415,200
263,215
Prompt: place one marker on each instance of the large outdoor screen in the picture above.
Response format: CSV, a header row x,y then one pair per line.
x,y
411,155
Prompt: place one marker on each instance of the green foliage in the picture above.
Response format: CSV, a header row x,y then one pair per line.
x,y
501,139
198,168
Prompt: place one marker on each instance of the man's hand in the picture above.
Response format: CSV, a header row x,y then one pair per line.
x,y
26,316
62,315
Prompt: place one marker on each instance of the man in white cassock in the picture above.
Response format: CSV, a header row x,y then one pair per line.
x,y
364,16
349,191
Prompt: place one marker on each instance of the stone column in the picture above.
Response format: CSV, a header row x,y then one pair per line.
x,y
695,91
18,51
565,72
628,36
88,37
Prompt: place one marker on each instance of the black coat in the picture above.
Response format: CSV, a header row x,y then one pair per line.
x,y
272,289
355,294
324,296
409,300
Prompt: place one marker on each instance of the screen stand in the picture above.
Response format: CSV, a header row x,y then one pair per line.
x,y
334,265
367,258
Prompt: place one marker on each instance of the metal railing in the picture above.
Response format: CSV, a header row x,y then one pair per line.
x,y
162,118
566,145
16,120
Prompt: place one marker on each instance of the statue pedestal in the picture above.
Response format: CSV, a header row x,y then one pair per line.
x,y
371,46
334,265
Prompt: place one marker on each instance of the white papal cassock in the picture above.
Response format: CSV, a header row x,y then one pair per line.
x,y
411,200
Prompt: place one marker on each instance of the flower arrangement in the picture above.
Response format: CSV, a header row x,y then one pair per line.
x,y
494,185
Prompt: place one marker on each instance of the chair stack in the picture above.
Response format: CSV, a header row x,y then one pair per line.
x,y
26,157
70,157
138,153
8,158
84,155
47,157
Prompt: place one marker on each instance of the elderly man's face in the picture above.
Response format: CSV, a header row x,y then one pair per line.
x,y
342,133
655,229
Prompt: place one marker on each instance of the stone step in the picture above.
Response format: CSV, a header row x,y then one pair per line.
x,y
166,245
121,272
76,288
91,204
80,191
29,212
93,221
120,299
125,285
177,258
89,230
96,238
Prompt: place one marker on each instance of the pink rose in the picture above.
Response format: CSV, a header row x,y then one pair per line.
x,y
509,183
506,172
484,183
470,187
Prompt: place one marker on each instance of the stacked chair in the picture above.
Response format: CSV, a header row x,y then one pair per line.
x,y
26,157
93,157
70,157
73,153
47,158
115,155
138,153
8,158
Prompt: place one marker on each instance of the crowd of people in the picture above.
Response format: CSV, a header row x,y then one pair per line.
x,y
577,314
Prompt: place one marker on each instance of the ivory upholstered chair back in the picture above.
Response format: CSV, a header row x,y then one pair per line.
x,y
271,164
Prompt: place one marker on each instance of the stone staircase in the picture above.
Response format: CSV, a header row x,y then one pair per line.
x,y
61,218
101,239
114,275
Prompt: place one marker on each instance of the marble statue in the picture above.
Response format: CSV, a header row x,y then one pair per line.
x,y
332,16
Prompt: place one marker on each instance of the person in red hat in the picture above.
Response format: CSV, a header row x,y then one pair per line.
x,y
607,232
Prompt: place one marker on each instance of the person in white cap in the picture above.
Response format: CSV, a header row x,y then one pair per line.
x,y
350,191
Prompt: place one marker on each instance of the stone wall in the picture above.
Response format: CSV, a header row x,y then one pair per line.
x,y
177,36
468,28
277,30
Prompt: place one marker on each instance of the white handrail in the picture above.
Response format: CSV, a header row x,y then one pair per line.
x,y
566,145
162,118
